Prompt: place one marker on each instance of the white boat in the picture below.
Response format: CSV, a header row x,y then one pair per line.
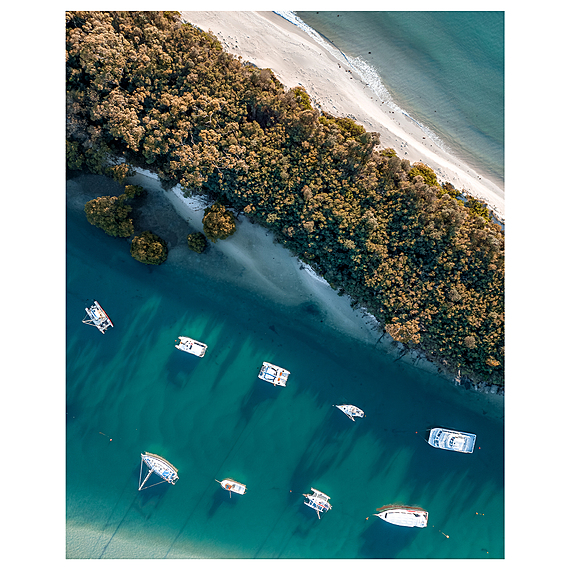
x,y
452,440
318,501
97,317
274,374
156,464
403,516
191,346
351,411
231,485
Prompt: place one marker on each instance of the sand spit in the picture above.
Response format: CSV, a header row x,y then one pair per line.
x,y
268,40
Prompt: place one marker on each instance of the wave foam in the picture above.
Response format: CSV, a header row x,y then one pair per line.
x,y
368,73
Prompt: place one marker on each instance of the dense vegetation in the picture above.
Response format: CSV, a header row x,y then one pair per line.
x,y
149,248
218,222
197,242
161,94
111,214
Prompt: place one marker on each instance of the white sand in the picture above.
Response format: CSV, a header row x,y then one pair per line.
x,y
267,40
251,260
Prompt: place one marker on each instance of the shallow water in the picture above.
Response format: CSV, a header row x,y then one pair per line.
x,y
445,69
130,391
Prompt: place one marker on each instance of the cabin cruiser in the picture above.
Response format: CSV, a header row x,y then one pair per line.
x,y
452,440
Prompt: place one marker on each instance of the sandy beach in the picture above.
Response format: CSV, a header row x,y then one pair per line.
x,y
269,41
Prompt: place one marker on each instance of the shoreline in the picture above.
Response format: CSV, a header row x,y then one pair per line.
x,y
268,40
260,266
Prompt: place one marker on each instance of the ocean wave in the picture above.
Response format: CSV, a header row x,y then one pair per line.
x,y
368,73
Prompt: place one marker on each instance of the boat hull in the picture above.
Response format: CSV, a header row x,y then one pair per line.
x,y
274,374
404,516
233,486
190,346
452,440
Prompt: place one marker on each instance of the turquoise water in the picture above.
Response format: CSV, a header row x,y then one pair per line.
x,y
445,69
130,391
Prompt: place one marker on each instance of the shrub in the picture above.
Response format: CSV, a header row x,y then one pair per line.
x,y
149,248
197,242
218,222
111,215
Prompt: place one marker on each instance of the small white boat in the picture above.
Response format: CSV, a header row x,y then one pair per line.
x,y
191,346
318,501
351,411
156,464
231,485
97,317
452,440
274,374
403,516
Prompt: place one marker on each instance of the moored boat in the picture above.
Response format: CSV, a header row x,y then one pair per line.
x,y
318,501
403,516
452,440
274,374
158,465
231,485
191,346
97,317
351,411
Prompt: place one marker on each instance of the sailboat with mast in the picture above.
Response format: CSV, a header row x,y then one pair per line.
x,y
158,465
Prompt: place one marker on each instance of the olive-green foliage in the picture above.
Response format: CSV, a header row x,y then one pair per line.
x,y
420,169
478,208
219,223
134,190
144,87
119,172
197,242
149,248
111,214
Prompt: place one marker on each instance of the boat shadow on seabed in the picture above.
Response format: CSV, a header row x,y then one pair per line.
x,y
149,499
179,368
383,540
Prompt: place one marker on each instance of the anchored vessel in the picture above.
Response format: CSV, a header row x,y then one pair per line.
x,y
274,374
231,485
97,317
403,516
452,440
156,464
318,501
351,411
187,344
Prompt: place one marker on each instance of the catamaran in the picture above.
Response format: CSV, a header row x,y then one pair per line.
x,y
97,317
452,440
318,501
403,516
156,464
191,346
351,411
274,374
231,485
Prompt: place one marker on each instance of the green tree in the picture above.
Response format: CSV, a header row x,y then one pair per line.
x,y
111,214
197,242
149,248
420,169
218,222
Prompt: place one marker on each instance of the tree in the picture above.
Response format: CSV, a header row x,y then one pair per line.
x,y
197,242
111,215
219,223
149,248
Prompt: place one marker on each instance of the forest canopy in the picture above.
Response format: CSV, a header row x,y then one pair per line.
x,y
163,95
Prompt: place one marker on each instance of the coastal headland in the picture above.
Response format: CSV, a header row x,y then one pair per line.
x,y
269,41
